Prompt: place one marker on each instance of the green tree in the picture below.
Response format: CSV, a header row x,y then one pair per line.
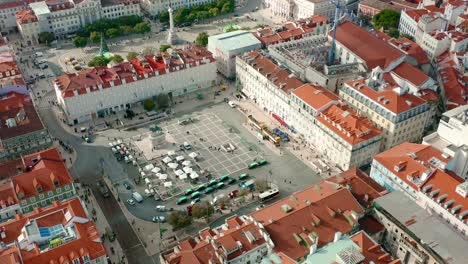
x,y
117,58
386,19
202,210
98,61
178,219
126,30
132,55
180,15
214,11
149,105
164,47
164,17
260,185
80,42
112,32
95,37
141,28
46,38
394,33
162,101
202,39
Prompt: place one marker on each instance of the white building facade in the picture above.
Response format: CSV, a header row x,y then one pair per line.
x,y
64,18
98,97
451,139
225,47
155,7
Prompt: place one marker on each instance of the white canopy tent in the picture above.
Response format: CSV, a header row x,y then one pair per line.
x,y
147,181
143,174
148,167
168,184
180,158
162,176
155,170
187,169
183,176
193,175
172,165
171,153
179,172
187,163
193,155
167,160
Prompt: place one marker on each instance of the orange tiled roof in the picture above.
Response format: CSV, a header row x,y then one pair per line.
x,y
415,160
372,50
316,97
410,48
410,73
14,105
42,169
87,241
372,251
396,103
280,77
225,239
364,189
289,31
293,215
345,123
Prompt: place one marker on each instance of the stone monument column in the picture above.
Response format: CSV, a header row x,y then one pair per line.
x,y
171,37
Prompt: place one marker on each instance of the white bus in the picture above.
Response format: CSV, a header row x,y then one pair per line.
x,y
268,195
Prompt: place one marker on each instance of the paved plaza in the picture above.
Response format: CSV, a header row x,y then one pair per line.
x,y
208,133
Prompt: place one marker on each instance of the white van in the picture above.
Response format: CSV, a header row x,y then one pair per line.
x,y
232,104
39,54
137,197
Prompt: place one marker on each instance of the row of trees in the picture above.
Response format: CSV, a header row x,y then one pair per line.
x,y
162,102
111,28
179,219
199,12
103,61
388,21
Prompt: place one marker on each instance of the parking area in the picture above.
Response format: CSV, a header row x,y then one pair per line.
x,y
223,146
222,150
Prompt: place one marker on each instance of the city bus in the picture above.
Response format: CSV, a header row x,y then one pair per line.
x,y
195,195
268,195
224,177
212,182
243,176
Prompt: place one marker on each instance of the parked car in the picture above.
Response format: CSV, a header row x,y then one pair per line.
x,y
233,193
163,208
159,219
137,196
232,104
127,185
131,201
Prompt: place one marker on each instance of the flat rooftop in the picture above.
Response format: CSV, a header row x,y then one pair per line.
x,y
433,231
236,40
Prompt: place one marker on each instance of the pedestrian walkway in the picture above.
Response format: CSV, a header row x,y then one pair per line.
x,y
297,146
114,250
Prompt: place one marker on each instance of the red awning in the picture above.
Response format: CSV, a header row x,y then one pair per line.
x,y
279,119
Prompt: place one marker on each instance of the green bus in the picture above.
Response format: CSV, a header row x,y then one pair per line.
x,y
188,191
209,190
201,187
243,176
225,177
263,162
220,185
195,195
253,165
182,200
212,182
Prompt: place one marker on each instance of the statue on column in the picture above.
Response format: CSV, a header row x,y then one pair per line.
x,y
171,37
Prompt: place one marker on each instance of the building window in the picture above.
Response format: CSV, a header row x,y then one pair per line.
x,y
67,187
50,193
